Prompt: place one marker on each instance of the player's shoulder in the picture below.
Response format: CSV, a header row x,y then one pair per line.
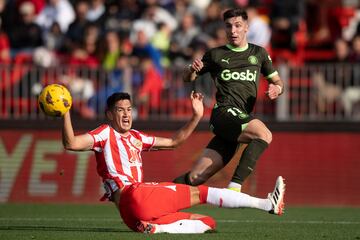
x,y
219,49
217,52
136,133
256,48
259,52
99,129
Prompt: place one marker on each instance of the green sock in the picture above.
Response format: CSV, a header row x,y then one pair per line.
x,y
248,160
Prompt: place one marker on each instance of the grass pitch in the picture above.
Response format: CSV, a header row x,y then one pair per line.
x,y
50,221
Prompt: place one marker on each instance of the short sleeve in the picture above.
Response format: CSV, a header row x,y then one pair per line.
x,y
100,136
267,69
208,63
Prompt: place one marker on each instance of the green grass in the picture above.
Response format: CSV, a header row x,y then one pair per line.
x,y
50,221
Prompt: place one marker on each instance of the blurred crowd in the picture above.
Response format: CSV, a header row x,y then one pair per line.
x,y
118,36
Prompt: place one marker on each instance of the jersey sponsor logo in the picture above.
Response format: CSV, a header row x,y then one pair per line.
x,y
227,60
253,60
226,75
134,156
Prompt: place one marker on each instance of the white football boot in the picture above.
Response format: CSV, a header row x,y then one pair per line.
x,y
277,197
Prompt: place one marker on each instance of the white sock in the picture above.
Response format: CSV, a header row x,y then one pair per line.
x,y
183,226
234,185
230,199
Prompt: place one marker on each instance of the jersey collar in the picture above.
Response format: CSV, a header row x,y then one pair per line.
x,y
237,49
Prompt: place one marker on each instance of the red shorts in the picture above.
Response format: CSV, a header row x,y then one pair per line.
x,y
154,202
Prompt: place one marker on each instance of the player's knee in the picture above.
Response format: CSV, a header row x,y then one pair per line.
x,y
267,137
257,129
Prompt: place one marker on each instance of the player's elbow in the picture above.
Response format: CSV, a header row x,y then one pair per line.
x,y
69,146
175,144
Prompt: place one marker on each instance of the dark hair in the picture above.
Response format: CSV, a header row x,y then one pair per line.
x,y
235,12
111,100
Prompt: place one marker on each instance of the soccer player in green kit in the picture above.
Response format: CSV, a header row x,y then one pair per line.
x,y
235,69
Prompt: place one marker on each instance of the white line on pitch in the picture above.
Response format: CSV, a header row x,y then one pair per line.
x,y
219,220
289,222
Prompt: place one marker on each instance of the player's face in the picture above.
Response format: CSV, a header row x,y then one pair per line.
x,y
236,29
121,116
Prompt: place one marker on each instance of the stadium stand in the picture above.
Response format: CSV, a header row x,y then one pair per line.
x,y
92,69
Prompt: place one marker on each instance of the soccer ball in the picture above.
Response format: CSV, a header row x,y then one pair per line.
x,y
55,100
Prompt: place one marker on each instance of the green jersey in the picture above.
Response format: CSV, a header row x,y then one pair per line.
x,y
236,73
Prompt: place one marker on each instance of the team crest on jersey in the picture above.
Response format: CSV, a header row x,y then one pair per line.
x,y
137,143
253,60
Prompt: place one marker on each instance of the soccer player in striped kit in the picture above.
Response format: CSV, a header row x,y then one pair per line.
x,y
154,207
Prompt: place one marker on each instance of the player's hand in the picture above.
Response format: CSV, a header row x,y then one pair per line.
x,y
274,91
196,65
197,103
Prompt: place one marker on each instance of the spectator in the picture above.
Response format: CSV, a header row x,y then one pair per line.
x,y
112,50
144,48
86,54
285,18
96,11
200,7
160,15
329,84
38,4
127,13
119,79
113,20
342,51
152,16
259,30
350,97
152,86
27,35
184,7
212,21
60,11
355,54
161,41
76,30
54,40
181,50
322,23
146,25
4,48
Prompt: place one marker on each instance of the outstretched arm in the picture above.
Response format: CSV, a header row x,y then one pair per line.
x,y
70,141
184,132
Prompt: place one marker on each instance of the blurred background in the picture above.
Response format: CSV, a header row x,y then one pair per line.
x,y
97,47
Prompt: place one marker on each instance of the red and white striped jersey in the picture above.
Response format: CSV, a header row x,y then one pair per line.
x,y
119,157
